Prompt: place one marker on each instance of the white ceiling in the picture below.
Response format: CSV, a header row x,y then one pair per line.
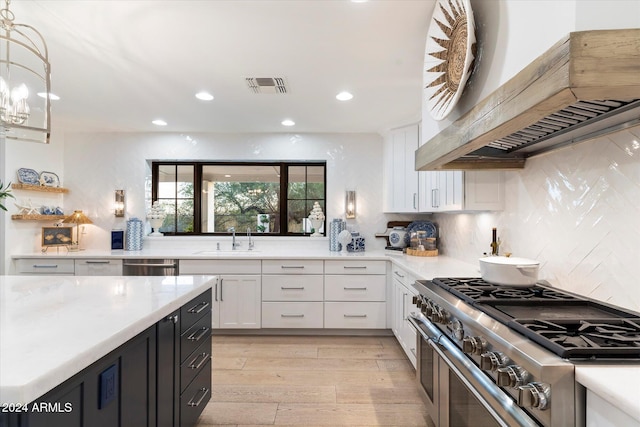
x,y
119,64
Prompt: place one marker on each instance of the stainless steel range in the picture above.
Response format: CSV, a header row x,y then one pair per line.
x,y
493,355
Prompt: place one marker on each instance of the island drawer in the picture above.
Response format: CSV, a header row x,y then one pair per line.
x,y
355,315
355,267
292,288
195,336
194,364
98,267
350,287
292,266
45,266
193,311
195,397
292,315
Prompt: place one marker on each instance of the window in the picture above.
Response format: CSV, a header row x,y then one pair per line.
x,y
211,197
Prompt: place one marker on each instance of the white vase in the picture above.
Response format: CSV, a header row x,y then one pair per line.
x,y
316,224
156,223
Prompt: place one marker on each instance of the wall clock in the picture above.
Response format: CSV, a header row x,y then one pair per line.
x,y
449,55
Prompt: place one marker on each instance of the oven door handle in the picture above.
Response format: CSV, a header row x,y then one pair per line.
x,y
433,334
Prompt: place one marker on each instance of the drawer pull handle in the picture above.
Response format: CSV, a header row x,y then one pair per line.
x,y
204,392
292,266
361,267
292,315
398,274
355,315
347,288
193,365
296,288
45,265
97,262
197,335
196,309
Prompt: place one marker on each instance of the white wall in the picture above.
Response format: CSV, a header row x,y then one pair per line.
x,y
576,210
98,164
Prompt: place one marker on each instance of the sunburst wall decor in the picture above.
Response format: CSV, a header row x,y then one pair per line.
x,y
449,55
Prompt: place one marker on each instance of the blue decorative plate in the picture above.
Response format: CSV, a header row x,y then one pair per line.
x,y
427,226
28,176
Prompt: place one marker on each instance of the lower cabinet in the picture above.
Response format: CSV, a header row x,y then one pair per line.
x,y
161,377
236,295
98,267
402,305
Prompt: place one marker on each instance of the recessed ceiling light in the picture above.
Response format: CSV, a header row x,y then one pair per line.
x,y
204,96
159,122
52,96
344,96
288,122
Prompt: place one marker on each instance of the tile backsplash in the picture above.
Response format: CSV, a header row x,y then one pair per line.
x,y
576,210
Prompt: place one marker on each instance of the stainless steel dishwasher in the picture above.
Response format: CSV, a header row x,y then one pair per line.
x,y
150,267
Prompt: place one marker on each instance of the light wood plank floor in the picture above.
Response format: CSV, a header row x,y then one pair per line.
x,y
312,381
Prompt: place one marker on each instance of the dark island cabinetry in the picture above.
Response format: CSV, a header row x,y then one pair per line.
x,y
160,378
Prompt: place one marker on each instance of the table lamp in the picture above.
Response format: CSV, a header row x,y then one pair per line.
x,y
77,218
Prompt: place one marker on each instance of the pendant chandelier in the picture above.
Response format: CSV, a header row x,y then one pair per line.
x,y
25,81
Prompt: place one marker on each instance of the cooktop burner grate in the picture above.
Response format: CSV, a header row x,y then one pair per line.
x,y
569,325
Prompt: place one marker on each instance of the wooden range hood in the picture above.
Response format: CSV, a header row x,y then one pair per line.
x,y
586,85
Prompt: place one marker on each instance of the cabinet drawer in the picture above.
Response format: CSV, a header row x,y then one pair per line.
x,y
195,397
219,266
192,311
292,288
292,266
292,315
355,267
98,267
355,288
402,276
195,336
45,266
355,315
194,364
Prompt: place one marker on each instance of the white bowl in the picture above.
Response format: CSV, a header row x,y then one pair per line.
x,y
508,271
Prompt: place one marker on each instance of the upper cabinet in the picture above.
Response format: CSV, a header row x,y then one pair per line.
x,y
400,176
409,191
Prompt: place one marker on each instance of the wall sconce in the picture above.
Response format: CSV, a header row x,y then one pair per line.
x,y
350,205
119,204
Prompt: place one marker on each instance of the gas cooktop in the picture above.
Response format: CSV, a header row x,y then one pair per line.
x,y
569,325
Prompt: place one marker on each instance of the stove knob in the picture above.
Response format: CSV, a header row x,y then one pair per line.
x,y
416,300
511,376
473,345
492,360
428,309
458,329
534,395
438,315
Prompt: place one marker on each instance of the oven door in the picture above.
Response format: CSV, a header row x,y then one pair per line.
x,y
459,394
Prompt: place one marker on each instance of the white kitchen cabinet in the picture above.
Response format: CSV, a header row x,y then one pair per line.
x,y
355,294
98,267
292,293
402,305
237,293
446,191
47,265
399,174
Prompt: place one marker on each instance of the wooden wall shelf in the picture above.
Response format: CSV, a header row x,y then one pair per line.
x,y
37,217
43,188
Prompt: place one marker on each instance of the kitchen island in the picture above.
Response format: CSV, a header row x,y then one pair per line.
x,y
54,330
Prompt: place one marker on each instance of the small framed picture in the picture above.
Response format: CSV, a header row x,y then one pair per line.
x,y
57,236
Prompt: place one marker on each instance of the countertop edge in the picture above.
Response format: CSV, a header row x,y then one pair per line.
x,y
614,384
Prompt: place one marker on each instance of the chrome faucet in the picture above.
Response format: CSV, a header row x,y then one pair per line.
x,y
233,241
249,236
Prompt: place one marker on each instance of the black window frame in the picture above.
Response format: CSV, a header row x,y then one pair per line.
x,y
197,190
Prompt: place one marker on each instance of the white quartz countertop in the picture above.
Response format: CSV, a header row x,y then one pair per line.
x,y
618,385
53,327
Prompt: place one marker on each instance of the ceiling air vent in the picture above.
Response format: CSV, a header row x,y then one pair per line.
x,y
267,84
